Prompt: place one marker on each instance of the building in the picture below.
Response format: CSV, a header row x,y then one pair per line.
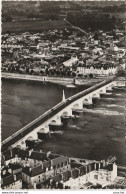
x,y
36,167
10,181
98,70
94,174
42,167
71,62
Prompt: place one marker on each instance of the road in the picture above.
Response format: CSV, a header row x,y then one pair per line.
x,y
75,27
47,115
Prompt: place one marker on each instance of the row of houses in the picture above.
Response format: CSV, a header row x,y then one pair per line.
x,y
102,71
23,168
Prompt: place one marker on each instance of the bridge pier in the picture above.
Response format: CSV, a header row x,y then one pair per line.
x,y
75,102
46,129
108,89
96,96
103,91
58,120
87,101
77,106
67,113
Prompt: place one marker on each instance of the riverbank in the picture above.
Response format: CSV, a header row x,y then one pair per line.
x,y
57,80
67,82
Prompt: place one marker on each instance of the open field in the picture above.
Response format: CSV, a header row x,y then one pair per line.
x,y
34,25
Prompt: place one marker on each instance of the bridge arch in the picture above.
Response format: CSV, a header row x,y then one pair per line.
x,y
108,88
30,138
87,100
112,85
64,114
44,120
94,95
101,91
76,106
52,122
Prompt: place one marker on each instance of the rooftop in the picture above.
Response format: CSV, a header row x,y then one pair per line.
x,y
38,156
33,171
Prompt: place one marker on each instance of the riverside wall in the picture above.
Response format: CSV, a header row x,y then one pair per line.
x,y
37,78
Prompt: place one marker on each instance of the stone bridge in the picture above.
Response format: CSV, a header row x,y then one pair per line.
x,y
54,115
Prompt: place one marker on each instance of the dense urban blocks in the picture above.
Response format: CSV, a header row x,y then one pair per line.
x,y
75,44
33,169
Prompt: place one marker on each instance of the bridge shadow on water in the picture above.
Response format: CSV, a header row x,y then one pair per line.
x,y
98,132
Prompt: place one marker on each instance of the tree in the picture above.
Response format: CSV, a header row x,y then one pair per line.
x,y
121,72
91,75
74,74
68,73
58,73
47,71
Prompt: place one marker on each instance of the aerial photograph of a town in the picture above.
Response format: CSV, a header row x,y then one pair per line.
x,y
63,95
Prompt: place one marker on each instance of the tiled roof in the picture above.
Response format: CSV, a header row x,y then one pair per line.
x,y
74,173
14,166
23,154
5,175
33,171
10,154
52,156
10,179
88,184
92,166
46,164
97,166
75,165
57,178
66,175
38,156
82,170
59,160
109,167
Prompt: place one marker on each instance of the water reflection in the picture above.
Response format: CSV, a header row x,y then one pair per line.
x,y
98,133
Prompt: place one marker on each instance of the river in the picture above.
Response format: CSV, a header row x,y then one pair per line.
x,y
98,133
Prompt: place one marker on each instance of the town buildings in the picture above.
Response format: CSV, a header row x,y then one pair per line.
x,y
75,55
24,168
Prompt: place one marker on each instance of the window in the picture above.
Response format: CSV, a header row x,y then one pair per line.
x,y
96,176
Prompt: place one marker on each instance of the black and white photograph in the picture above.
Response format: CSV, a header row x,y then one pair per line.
x,y
63,95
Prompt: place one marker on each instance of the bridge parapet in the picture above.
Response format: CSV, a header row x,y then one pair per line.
x,y
55,113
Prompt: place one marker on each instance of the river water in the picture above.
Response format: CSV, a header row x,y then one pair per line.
x,y
98,133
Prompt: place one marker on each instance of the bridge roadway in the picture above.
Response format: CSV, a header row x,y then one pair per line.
x,y
50,113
